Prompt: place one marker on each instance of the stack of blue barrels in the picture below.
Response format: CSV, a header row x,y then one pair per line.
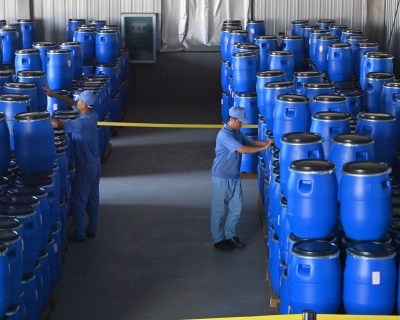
x,y
36,161
329,100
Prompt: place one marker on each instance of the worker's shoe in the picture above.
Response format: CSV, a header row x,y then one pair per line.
x,y
235,243
224,246
75,238
90,235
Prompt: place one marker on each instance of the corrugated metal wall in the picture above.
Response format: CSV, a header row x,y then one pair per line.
x,y
390,10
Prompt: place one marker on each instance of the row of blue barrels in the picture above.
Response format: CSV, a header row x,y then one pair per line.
x,y
22,38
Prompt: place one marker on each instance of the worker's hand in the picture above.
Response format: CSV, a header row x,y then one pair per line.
x,y
268,144
48,91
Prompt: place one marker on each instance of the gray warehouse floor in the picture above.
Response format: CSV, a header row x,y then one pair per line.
x,y
153,256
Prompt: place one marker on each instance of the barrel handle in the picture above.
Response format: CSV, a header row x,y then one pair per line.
x,y
305,186
303,271
368,65
25,60
386,184
290,113
367,130
103,39
284,62
334,130
363,155
370,87
394,96
299,86
315,154
29,228
337,55
283,46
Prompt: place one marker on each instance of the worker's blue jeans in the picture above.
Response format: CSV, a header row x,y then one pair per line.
x,y
225,192
85,196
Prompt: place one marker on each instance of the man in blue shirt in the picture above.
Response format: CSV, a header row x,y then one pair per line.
x,y
85,188
226,185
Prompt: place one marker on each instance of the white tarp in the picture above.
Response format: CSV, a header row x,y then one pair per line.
x,y
195,25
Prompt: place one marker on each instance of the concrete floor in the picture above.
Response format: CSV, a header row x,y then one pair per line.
x,y
153,257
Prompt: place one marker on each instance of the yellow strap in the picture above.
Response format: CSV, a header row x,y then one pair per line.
x,y
167,125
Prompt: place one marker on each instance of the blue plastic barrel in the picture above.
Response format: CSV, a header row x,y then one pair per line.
x,y
117,29
294,44
390,93
354,102
30,295
284,307
28,89
348,147
312,185
337,30
291,114
43,47
10,40
314,277
224,108
5,76
39,288
87,37
224,39
359,50
314,34
266,44
14,313
110,69
4,279
77,57
328,103
373,88
273,262
369,285
249,47
39,79
14,253
249,161
54,104
244,71
325,23
297,25
52,249
272,90
88,68
305,34
374,62
72,25
235,36
248,101
340,61
255,28
348,33
106,46
382,128
321,51
296,146
98,23
264,77
59,69
5,153
28,28
18,28
281,60
45,273
27,59
226,71
329,124
283,225
303,77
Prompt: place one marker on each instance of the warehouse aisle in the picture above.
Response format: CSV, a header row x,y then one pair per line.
x,y
153,256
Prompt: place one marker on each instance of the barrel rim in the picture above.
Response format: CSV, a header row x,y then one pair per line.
x,y
279,84
327,254
388,253
309,166
270,73
301,138
352,139
25,85
300,21
32,116
14,97
307,74
27,51
329,98
331,116
365,168
266,37
280,53
44,44
376,116
293,98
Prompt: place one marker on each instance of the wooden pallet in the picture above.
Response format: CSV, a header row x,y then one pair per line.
x,y
274,299
104,157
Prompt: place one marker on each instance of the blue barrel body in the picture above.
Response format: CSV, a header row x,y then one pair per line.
x,y
248,101
52,249
390,93
39,79
284,230
5,148
374,62
97,23
296,146
369,285
291,114
249,161
314,277
303,77
255,28
349,33
54,104
111,70
272,90
244,71
28,89
273,262
354,102
264,77
328,103
321,51
63,167
325,23
59,69
224,39
34,142
397,116
18,28
224,108
312,185
28,59
56,235
274,200
77,57
117,29
10,40
235,36
340,61
30,295
266,44
382,128
329,124
88,69
39,288
314,34
72,25
297,25
106,46
226,71
10,104
45,273
350,147
294,44
43,47
87,38
281,60
358,54
5,76
284,307
313,89
28,28
373,88
354,40
248,47
337,30
4,279
305,34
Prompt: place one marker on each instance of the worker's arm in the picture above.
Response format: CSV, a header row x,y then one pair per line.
x,y
260,146
64,99
257,143
56,123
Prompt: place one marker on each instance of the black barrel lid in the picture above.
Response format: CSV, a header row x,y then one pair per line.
x,y
301,137
266,37
33,181
342,45
395,225
71,167
244,54
329,98
4,181
8,235
9,223
32,116
239,31
270,73
14,97
280,53
27,51
310,27
65,116
95,77
77,20
114,65
354,31
232,21
380,75
7,29
3,247
284,201
59,51
71,43
31,73
276,171
279,84
320,31
371,249
292,38
349,94
110,26
97,21
106,31
2,116
10,200
20,85
378,55
327,38
375,116
296,98
28,276
313,248
312,165
356,38
44,44
303,21
5,73
248,46
275,164
86,28
59,133
16,210
25,20
322,85
13,25
307,74
330,115
329,238
35,191
352,138
365,167
278,178
247,94
392,84
338,26
228,28
326,21
367,45
255,21
275,155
